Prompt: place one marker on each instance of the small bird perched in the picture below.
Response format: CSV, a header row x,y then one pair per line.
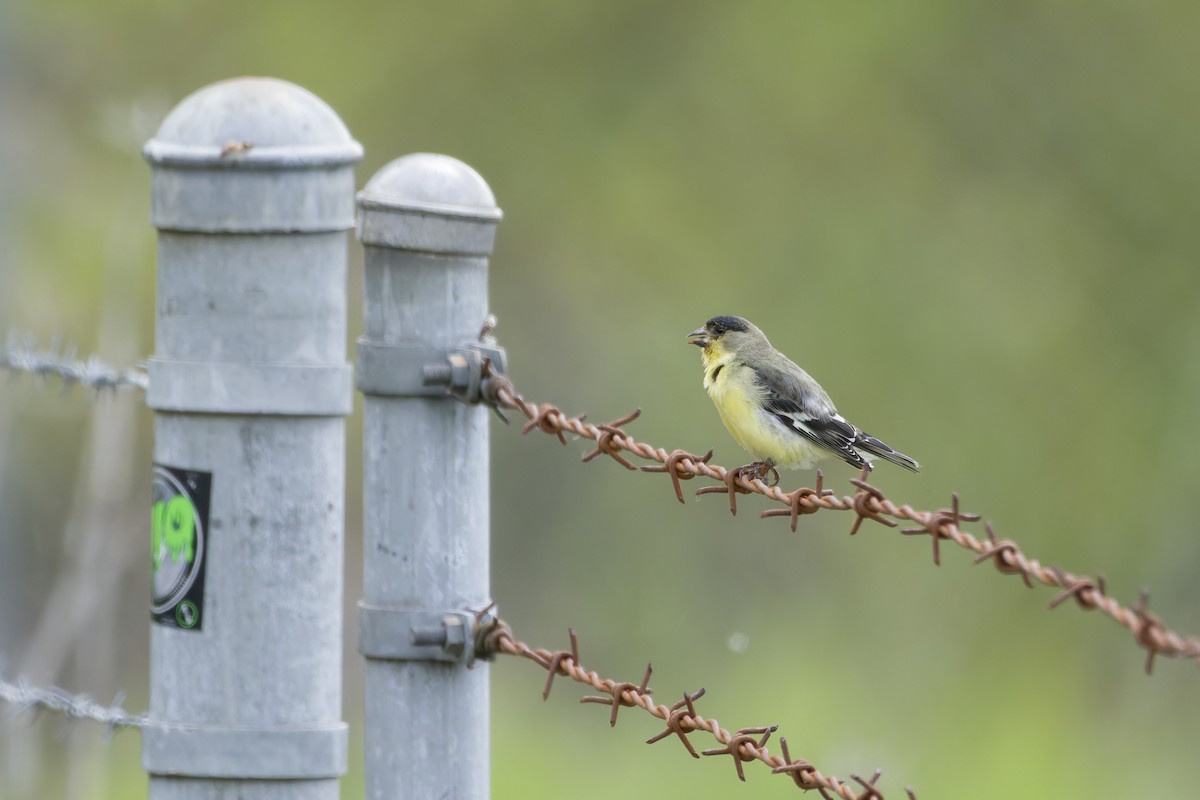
x,y
774,409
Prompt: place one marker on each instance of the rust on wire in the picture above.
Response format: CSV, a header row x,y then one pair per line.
x,y
733,487
867,503
553,663
618,700
1002,553
606,442
1082,589
938,523
681,721
744,745
800,501
869,790
677,467
1150,629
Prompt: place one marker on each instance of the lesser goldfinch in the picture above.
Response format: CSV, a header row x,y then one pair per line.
x,y
774,409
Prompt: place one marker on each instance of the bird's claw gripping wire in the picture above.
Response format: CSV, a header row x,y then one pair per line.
x,y
755,471
760,470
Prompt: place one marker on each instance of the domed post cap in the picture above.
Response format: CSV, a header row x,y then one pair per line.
x,y
429,203
252,155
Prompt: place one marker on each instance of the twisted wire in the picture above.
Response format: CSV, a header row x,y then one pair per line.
x,y
20,356
25,697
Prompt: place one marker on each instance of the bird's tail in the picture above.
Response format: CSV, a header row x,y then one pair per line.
x,y
877,448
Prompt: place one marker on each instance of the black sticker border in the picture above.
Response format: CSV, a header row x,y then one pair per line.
x,y
187,605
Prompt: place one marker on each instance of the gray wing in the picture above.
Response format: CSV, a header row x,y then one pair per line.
x,y
802,405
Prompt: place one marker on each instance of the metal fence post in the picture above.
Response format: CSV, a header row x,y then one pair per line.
x,y
427,223
252,187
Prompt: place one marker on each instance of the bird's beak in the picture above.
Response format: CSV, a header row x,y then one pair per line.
x,y
698,337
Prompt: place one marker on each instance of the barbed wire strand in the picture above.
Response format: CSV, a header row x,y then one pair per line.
x,y
495,636
25,697
868,502
681,718
20,355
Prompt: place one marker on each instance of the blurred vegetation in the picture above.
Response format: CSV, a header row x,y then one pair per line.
x,y
974,222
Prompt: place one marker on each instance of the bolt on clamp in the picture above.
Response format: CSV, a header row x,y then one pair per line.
x,y
405,370
465,370
419,634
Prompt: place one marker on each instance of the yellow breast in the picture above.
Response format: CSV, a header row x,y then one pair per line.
x,y
739,403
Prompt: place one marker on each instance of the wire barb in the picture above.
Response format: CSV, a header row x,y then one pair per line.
x,y
617,698
939,523
554,663
869,790
747,738
735,481
868,502
1149,624
681,721
799,502
677,467
607,444
1002,552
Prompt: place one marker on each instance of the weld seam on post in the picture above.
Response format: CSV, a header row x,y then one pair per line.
x,y
317,390
245,753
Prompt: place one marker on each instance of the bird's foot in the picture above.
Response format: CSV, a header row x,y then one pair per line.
x,y
759,470
756,471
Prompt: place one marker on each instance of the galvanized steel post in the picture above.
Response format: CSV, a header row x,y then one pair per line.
x,y
427,223
252,194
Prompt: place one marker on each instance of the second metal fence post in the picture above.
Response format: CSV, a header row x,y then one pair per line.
x,y
427,224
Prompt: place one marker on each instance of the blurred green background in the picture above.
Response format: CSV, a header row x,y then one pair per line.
x,y
974,222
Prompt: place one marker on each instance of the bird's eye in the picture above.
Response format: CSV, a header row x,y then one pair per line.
x,y
718,330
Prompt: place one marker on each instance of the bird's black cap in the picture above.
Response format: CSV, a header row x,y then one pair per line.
x,y
727,323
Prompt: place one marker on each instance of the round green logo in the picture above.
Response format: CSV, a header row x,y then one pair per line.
x,y
186,614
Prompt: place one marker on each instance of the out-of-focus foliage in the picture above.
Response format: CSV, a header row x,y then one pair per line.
x,y
974,222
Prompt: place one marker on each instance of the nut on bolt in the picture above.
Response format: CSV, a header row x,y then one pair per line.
x,y
462,371
451,635
464,375
454,373
460,374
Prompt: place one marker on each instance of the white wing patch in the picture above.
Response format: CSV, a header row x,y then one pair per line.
x,y
834,433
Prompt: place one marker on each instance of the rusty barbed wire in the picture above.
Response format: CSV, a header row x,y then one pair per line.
x,y
21,355
24,697
681,717
867,503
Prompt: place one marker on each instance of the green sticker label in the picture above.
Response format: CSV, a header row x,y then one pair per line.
x,y
178,544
